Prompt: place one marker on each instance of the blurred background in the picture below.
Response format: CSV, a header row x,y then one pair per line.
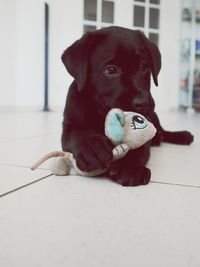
x,y
34,33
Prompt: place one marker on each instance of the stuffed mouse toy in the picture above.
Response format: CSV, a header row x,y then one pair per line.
x,y
126,130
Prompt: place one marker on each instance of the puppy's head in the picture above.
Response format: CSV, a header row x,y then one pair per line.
x,y
113,66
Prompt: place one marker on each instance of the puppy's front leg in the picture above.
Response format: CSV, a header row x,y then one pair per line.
x,y
131,170
91,150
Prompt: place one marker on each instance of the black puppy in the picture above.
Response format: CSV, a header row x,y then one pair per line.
x,y
111,69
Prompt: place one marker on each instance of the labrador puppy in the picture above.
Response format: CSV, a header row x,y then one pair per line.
x,y
112,68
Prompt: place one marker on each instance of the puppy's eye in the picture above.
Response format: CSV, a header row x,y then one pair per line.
x,y
139,122
112,70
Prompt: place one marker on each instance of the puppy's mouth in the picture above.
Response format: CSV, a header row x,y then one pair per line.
x,y
105,105
144,107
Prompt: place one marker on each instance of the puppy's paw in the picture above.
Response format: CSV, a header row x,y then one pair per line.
x,y
94,153
130,177
180,137
186,137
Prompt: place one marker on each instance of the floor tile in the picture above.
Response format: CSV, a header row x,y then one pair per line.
x,y
77,221
27,151
178,121
176,164
13,177
19,125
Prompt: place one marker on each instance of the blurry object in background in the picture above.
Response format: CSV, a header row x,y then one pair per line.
x,y
197,47
189,97
185,49
186,14
184,78
198,15
197,77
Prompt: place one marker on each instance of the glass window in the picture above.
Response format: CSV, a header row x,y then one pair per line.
x,y
139,13
154,38
107,11
88,28
154,18
146,17
98,14
90,9
155,2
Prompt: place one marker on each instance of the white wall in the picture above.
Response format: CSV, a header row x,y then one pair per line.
x,y
21,52
29,52
7,52
66,25
123,13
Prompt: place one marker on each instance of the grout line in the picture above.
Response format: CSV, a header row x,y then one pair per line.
x,y
25,185
184,185
45,169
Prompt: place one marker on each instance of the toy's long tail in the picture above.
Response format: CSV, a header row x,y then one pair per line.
x,y
46,157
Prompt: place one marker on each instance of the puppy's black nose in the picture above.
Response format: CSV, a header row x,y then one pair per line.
x,y
139,103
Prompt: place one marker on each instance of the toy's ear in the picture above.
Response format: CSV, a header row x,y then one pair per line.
x,y
114,125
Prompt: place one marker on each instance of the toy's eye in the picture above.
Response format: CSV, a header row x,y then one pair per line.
x,y
139,122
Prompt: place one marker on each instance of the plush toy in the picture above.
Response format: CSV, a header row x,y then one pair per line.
x,y
126,130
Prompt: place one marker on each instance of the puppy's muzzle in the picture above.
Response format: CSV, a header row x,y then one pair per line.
x,y
142,105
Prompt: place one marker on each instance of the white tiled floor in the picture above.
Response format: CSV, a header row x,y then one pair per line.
x,y
79,221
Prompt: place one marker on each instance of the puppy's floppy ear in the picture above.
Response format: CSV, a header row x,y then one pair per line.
x,y
75,59
155,56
